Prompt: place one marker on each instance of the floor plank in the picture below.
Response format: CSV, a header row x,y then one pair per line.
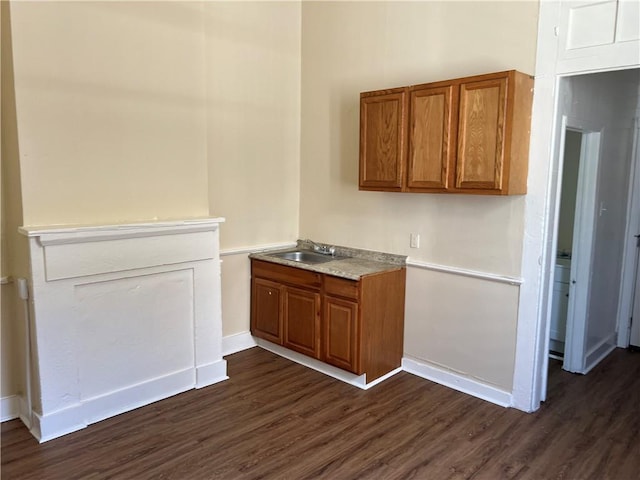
x,y
274,419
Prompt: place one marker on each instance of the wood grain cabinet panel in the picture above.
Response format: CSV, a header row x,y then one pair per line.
x,y
382,140
301,321
354,325
467,135
341,334
266,310
431,148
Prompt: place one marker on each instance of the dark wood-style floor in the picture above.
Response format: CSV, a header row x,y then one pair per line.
x,y
277,420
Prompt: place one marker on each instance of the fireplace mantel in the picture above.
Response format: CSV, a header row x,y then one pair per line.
x,y
121,316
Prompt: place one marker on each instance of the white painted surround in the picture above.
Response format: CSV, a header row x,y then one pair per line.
x,y
121,316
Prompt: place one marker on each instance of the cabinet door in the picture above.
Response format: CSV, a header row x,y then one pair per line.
x,y
341,334
431,137
302,321
481,131
382,140
266,310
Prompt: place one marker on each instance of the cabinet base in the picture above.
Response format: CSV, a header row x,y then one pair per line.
x,y
359,381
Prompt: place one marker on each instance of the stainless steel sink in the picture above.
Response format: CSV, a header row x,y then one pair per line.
x,y
306,256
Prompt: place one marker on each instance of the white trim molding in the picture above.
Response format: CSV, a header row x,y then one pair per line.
x,y
10,408
464,272
237,342
256,248
457,381
359,381
57,235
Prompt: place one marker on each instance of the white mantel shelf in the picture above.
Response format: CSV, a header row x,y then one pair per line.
x,y
60,234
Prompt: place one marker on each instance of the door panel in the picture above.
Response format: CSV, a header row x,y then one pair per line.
x,y
302,321
481,131
431,146
266,310
341,334
382,140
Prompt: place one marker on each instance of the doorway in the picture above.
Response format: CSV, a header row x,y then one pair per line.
x,y
597,129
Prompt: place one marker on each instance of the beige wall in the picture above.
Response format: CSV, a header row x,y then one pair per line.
x,y
461,324
111,110
253,135
133,111
253,122
236,294
352,47
349,47
13,248
104,121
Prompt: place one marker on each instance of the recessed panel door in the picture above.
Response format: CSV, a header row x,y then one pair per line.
x,y
341,334
382,141
481,135
266,310
302,321
431,137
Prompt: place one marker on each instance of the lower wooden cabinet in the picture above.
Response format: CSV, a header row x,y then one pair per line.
x,y
357,326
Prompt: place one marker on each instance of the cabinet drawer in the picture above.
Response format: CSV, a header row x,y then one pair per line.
x,y
341,287
284,274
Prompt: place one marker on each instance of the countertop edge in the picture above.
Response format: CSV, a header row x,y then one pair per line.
x,y
351,268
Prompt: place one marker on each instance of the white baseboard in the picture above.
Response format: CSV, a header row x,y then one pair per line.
x,y
457,382
9,408
92,410
209,374
237,342
359,381
599,352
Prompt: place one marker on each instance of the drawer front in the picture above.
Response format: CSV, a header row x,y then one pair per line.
x,y
284,274
341,287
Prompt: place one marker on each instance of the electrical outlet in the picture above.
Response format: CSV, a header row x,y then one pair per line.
x,y
414,241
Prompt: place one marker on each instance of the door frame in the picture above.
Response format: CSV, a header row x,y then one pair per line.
x,y
629,260
531,356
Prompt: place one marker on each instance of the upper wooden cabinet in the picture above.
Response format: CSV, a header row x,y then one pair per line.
x,y
468,135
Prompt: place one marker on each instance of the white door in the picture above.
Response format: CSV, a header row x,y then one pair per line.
x,y
581,326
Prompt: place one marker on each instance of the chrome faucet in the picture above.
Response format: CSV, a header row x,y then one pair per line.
x,y
323,249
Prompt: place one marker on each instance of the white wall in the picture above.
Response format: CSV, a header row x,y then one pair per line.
x,y
350,47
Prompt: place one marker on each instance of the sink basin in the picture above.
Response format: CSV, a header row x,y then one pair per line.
x,y
306,256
